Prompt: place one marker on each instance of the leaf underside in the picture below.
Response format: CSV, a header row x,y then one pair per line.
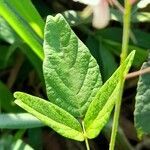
x,y
71,73
142,105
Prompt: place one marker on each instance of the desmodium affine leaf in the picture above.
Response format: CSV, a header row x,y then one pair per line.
x,y
142,105
50,114
71,73
100,108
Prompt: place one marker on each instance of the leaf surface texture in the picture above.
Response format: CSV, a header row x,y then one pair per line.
x,y
71,73
50,114
100,108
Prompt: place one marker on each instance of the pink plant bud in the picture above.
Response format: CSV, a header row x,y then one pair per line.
x,y
101,14
132,1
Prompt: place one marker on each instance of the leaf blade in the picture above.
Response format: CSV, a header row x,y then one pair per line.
x,y
50,114
102,105
142,104
71,73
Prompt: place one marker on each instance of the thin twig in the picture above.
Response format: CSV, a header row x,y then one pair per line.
x,y
138,73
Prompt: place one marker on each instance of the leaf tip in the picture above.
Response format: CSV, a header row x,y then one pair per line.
x,y
131,55
16,94
133,52
17,101
54,18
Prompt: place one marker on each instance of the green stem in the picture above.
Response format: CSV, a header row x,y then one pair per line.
x,y
85,137
122,142
125,41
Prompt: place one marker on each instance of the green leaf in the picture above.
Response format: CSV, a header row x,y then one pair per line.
x,y
100,108
50,114
19,121
26,23
31,16
71,73
142,105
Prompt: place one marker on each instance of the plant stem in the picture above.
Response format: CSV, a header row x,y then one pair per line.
x,y
126,30
87,144
85,137
125,41
122,142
